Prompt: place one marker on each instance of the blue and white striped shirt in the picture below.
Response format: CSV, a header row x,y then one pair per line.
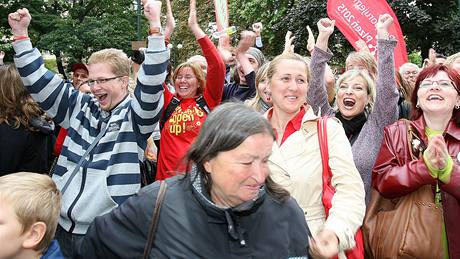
x,y
110,173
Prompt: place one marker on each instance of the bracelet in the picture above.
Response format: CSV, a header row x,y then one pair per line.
x,y
21,37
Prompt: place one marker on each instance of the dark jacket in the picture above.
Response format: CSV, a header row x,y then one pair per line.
x,y
23,150
394,175
190,226
235,92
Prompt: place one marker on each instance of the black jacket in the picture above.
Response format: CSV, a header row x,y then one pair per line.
x,y
190,226
22,150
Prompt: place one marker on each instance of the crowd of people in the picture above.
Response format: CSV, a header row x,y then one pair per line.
x,y
235,140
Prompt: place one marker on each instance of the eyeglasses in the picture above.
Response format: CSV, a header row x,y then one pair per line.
x,y
187,77
91,83
440,83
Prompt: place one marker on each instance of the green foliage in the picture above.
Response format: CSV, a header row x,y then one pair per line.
x,y
73,29
51,65
416,58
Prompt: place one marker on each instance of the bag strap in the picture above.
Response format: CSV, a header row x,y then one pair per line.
x,y
77,166
323,148
154,222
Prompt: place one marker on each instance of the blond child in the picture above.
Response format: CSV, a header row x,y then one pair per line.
x,y
29,213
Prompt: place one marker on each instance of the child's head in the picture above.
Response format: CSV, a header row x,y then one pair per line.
x,y
29,211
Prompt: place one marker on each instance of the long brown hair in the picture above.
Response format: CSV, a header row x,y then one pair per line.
x,y
17,107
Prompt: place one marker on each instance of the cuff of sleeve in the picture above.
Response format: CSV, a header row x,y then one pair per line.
x,y
156,43
326,54
22,45
433,171
259,43
444,175
391,42
345,235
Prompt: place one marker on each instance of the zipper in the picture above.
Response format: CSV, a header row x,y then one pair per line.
x,y
80,192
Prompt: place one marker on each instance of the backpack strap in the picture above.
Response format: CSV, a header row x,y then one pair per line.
x,y
200,101
169,111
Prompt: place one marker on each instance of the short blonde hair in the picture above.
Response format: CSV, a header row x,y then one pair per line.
x,y
34,198
371,91
367,59
115,58
451,59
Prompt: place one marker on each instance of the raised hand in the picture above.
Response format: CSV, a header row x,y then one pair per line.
x,y
383,25
326,26
152,11
193,21
325,29
310,40
170,22
257,28
19,22
288,39
247,40
324,245
436,153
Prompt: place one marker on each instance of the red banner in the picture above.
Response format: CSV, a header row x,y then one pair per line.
x,y
356,20
221,8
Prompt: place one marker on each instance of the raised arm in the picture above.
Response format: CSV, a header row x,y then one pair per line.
x,y
148,94
317,96
54,95
193,22
215,75
385,110
170,22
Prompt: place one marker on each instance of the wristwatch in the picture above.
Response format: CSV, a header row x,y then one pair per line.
x,y
155,31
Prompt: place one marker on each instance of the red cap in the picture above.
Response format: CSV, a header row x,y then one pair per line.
x,y
79,66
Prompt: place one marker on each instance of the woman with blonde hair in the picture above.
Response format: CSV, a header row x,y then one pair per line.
x,y
295,163
262,101
366,102
24,128
196,94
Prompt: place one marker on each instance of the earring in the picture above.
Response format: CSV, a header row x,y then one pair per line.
x,y
457,106
417,105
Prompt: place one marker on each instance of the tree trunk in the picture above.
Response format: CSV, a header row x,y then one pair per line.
x,y
60,66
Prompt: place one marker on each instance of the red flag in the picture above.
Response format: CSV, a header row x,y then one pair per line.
x,y
356,20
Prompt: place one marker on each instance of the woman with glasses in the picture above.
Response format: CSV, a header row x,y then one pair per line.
x,y
436,127
365,105
194,97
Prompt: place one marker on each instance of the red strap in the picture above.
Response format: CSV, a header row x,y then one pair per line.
x,y
328,189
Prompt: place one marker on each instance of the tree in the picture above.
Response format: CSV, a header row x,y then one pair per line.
x,y
73,29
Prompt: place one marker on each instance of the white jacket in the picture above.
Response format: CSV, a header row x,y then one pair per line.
x,y
296,166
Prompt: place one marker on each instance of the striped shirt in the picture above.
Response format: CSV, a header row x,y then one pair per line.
x,y
110,173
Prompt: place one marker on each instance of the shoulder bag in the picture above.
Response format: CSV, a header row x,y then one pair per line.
x,y
405,227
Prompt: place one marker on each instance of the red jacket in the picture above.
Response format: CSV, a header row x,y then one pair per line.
x,y
394,175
